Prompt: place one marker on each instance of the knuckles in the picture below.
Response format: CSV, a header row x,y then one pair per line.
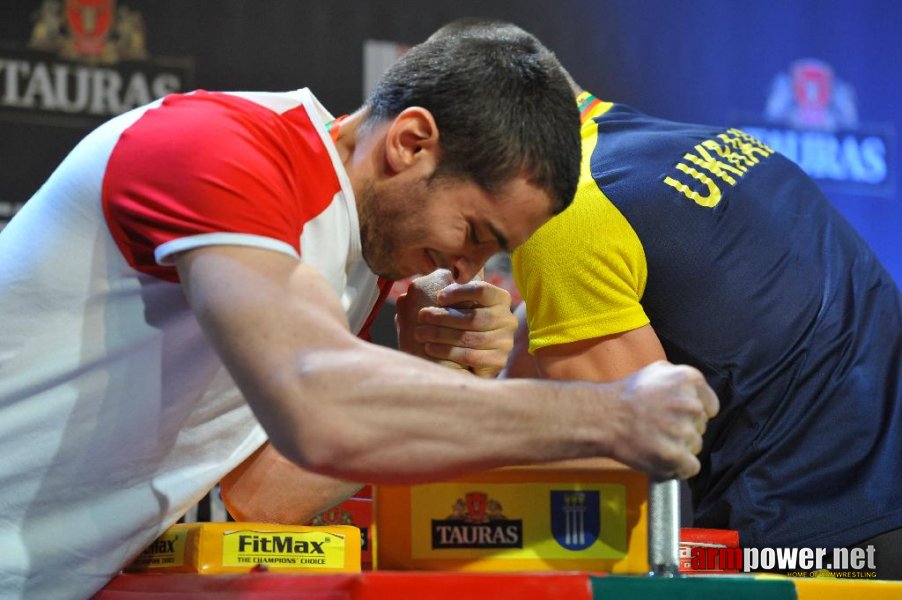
x,y
471,339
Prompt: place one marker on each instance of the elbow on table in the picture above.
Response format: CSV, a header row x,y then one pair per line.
x,y
320,445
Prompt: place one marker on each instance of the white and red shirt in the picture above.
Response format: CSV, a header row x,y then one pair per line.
x,y
116,415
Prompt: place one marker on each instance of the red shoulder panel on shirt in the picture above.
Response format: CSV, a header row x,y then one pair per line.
x,y
214,163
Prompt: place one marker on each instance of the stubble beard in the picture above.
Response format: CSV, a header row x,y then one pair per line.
x,y
383,235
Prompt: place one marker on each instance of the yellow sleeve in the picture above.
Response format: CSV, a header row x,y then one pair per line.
x,y
583,273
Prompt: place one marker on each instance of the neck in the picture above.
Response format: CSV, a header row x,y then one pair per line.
x,y
349,131
358,150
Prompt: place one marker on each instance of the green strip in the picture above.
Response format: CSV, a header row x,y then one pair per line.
x,y
695,587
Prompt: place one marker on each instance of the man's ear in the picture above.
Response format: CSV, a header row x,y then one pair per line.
x,y
412,141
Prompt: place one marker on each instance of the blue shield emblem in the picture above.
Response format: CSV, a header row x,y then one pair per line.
x,y
575,518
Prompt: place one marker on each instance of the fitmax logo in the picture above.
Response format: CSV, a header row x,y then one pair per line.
x,y
278,544
162,546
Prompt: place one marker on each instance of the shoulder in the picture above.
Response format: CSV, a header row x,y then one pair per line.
x,y
219,120
641,161
206,141
631,147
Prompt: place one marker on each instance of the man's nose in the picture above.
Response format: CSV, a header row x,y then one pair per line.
x,y
465,268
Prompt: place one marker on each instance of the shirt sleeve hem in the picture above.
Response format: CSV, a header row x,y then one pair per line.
x,y
164,253
576,330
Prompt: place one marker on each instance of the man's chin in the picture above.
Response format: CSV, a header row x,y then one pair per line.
x,y
391,274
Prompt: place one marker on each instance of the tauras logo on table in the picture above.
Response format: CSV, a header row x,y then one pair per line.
x,y
477,521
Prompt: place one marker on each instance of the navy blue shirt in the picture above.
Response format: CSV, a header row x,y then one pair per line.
x,y
789,315
746,272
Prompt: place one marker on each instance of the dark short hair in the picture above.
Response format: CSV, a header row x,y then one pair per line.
x,y
495,28
502,103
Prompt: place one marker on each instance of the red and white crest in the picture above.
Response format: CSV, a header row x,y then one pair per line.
x,y
90,22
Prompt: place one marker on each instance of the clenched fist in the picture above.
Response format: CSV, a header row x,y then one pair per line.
x,y
664,411
466,326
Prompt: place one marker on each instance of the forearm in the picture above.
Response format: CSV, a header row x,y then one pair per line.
x,y
393,418
341,407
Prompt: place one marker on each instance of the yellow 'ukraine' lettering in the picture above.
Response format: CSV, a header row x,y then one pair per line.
x,y
712,165
750,146
738,144
713,197
734,158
